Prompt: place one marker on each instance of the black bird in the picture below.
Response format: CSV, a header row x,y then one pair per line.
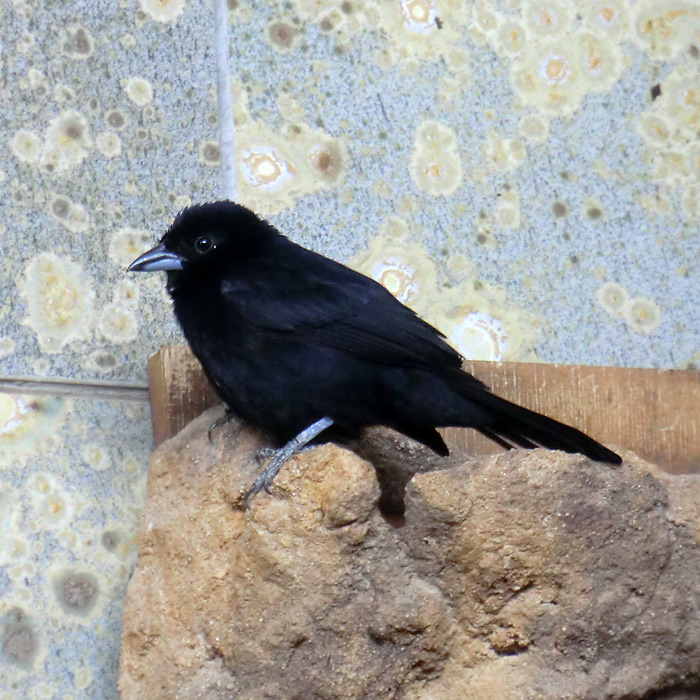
x,y
291,340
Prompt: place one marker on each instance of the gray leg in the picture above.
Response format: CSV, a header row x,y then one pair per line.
x,y
294,446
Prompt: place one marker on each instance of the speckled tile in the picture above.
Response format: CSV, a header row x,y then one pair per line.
x,y
509,172
72,483
106,111
506,168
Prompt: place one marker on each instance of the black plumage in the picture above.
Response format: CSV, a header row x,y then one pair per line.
x,y
288,336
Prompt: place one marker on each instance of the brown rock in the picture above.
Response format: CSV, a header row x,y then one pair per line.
x,y
523,575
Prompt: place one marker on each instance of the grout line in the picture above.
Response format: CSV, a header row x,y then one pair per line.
x,y
70,388
227,175
227,163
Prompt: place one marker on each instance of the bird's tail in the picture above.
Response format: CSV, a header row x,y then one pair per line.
x,y
511,425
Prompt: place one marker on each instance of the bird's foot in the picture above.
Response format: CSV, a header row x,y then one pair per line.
x,y
228,416
279,457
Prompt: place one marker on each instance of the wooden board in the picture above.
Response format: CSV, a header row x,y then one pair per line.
x,y
655,413
179,391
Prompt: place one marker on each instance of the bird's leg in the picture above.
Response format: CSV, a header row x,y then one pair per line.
x,y
222,420
265,453
294,446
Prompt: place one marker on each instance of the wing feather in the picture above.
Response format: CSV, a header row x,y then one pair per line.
x,y
337,307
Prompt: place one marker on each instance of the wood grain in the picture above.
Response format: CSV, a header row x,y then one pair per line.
x,y
655,413
179,391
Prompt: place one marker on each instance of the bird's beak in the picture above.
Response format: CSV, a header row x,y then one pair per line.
x,y
155,259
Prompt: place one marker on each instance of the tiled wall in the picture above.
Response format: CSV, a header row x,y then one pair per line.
x,y
526,175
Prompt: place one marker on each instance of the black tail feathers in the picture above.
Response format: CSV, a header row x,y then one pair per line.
x,y
511,425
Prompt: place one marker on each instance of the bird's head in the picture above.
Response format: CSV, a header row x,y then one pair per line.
x,y
204,237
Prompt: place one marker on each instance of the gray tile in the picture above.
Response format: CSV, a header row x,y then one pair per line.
x,y
72,484
104,113
500,251
538,203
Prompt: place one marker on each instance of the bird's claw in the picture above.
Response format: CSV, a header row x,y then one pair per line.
x,y
221,420
279,457
254,489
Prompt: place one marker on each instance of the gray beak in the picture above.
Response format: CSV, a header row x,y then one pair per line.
x,y
155,259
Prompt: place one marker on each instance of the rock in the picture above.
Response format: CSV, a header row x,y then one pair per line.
x,y
530,574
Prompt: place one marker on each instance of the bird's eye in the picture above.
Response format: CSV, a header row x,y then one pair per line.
x,y
203,244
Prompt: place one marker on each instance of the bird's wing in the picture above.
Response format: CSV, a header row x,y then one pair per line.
x,y
335,306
